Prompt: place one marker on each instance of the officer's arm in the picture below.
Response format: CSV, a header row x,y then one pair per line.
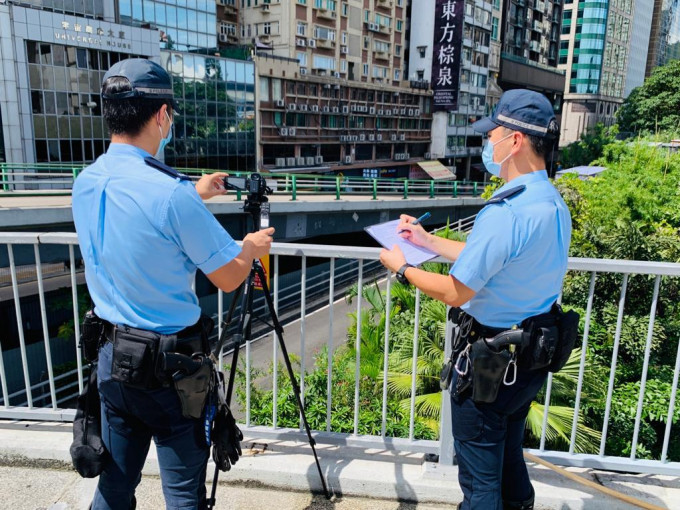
x,y
231,275
445,247
444,288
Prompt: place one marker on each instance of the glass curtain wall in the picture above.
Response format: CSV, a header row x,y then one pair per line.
x,y
591,28
216,129
65,84
86,8
184,25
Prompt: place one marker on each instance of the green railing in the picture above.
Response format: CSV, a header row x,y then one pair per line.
x,y
41,179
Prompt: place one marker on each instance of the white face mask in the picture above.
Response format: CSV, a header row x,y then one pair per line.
x,y
164,140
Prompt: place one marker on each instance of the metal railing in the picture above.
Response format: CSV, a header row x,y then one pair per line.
x,y
591,268
50,179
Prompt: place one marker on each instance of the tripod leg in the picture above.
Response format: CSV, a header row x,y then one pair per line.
x,y
291,374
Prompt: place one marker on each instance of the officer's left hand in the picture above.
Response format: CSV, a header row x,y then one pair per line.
x,y
211,185
392,259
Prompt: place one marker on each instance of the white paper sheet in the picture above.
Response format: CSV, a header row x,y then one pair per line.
x,y
386,234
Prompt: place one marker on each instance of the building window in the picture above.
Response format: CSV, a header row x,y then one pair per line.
x,y
321,62
397,75
421,75
344,38
421,51
343,66
345,9
365,70
302,58
399,25
397,50
324,33
494,28
301,28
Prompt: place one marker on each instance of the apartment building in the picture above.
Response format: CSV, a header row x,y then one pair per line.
x,y
603,50
227,22
332,93
530,36
664,39
450,46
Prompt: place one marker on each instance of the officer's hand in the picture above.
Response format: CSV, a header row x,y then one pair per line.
x,y
227,439
211,185
392,259
414,233
258,244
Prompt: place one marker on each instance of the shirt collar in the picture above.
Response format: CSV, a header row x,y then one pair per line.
x,y
526,179
126,149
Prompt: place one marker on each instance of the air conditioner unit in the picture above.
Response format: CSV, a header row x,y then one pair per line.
x,y
336,86
300,42
375,27
397,156
336,74
291,131
336,109
292,106
402,137
410,112
265,7
300,161
345,109
280,103
303,107
223,38
348,160
327,86
344,50
326,109
407,155
280,161
290,161
283,131
381,112
378,138
353,108
315,107
318,160
427,155
311,43
343,138
362,137
303,70
402,111
416,112
371,110
393,137
355,138
309,160
371,138
388,112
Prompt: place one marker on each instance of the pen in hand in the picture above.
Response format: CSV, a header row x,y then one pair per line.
x,y
419,220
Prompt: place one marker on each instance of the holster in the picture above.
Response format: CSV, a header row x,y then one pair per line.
x,y
488,371
91,335
193,388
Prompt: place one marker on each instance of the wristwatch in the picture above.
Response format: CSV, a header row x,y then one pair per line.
x,y
401,277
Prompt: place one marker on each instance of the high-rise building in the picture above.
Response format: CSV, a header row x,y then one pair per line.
x,y
227,22
53,55
455,58
332,93
530,37
603,51
664,40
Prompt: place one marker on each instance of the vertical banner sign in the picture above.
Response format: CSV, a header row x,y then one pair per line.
x,y
447,44
265,265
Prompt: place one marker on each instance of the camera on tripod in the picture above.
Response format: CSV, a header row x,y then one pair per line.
x,y
254,184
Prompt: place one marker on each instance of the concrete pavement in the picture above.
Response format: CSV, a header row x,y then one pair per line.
x,y
275,473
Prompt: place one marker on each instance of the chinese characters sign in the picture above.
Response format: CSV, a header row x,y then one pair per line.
x,y
78,33
448,38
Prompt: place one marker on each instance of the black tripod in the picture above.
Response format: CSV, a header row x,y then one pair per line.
x,y
260,218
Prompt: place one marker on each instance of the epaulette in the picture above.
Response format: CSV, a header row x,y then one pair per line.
x,y
506,194
167,170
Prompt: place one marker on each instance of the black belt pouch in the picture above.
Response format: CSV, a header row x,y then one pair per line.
x,y
134,358
488,371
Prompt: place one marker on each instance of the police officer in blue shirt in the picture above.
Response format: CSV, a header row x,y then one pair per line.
x,y
143,232
508,271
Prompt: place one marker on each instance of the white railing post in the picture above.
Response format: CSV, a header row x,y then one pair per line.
x,y
446,454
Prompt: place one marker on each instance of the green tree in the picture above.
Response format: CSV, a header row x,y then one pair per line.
x,y
590,146
654,106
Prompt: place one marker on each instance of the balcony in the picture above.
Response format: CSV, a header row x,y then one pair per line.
x,y
325,43
376,464
326,14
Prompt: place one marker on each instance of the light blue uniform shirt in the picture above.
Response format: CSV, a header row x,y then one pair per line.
x,y
515,257
143,234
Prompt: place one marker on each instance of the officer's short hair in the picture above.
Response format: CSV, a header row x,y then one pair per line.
x,y
541,145
128,116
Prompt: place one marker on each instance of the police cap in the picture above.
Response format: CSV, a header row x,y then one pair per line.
x,y
147,79
522,110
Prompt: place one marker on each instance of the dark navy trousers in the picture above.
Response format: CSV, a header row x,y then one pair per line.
x,y
488,444
130,419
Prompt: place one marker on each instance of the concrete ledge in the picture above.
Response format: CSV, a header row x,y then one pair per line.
x,y
288,465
